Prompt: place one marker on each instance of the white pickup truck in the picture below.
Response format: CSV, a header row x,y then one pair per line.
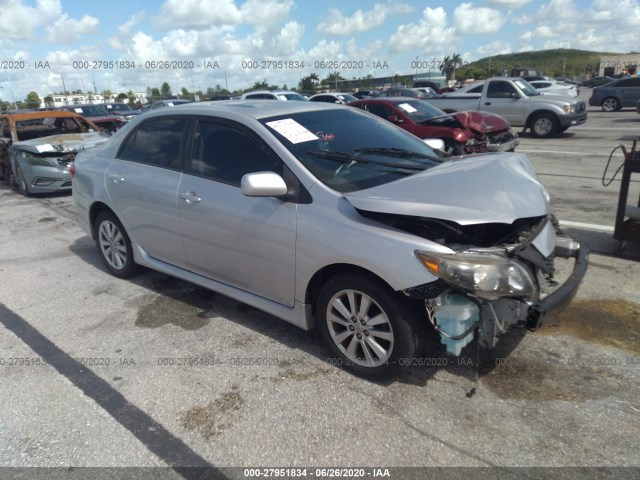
x,y
520,103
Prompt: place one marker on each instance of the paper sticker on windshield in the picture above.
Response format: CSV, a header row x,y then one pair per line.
x,y
407,108
78,110
281,97
47,147
170,104
292,130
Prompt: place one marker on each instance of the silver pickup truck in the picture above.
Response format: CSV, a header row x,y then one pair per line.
x,y
520,103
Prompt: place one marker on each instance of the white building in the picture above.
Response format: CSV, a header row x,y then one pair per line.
x,y
77,98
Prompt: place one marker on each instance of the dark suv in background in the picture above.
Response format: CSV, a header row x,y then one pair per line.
x,y
624,92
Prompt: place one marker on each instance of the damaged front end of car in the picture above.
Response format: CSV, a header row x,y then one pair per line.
x,y
496,274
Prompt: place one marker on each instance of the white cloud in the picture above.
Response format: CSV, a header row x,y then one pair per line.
x,y
67,30
265,12
18,21
121,40
324,50
510,3
198,14
337,24
431,34
477,20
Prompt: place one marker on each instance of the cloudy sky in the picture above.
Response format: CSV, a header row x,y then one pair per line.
x,y
373,37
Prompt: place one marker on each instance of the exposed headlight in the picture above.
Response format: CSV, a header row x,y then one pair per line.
x,y
570,108
487,275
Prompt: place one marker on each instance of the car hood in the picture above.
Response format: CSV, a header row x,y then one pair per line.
x,y
483,188
481,121
70,142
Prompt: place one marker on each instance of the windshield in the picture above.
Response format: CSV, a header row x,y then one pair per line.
x,y
44,127
91,111
528,89
348,150
418,110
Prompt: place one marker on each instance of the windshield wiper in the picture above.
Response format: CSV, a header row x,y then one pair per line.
x,y
396,152
347,158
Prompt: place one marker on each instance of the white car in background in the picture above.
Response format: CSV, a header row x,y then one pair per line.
x,y
282,95
555,88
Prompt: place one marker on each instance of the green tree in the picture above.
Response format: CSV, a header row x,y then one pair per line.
x,y
185,92
32,100
449,65
155,92
121,97
165,90
333,80
263,85
308,83
106,94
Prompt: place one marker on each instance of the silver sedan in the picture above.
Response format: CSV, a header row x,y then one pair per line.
x,y
329,217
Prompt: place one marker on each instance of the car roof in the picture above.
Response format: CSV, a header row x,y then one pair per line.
x,y
256,109
36,115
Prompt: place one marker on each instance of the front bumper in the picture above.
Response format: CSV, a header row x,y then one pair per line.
x,y
553,304
504,144
572,119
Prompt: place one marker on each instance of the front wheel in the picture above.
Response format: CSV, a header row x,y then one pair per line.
x,y
544,125
114,246
369,327
21,182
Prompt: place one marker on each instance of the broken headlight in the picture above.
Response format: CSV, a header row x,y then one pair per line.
x,y
487,275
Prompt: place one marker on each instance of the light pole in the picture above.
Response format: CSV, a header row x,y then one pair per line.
x,y
64,89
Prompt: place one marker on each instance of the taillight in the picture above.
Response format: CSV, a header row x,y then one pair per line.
x,y
72,169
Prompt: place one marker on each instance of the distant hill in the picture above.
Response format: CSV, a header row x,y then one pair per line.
x,y
557,62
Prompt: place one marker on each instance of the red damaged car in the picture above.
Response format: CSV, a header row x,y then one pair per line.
x,y
462,132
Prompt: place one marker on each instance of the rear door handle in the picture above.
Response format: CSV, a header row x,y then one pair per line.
x,y
487,103
116,178
190,197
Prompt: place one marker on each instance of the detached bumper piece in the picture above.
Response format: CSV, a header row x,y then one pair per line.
x,y
553,304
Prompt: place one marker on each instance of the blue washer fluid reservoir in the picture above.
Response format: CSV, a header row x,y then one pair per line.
x,y
455,315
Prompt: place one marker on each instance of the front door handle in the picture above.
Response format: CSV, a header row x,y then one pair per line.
x,y
116,178
190,197
487,103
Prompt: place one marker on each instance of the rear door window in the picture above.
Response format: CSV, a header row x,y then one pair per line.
x,y
158,142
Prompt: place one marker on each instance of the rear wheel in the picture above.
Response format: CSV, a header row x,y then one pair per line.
x,y
114,246
544,125
610,104
369,327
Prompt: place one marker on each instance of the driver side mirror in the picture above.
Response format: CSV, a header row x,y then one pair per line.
x,y
263,184
394,119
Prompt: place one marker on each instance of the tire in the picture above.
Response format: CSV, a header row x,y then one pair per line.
x,y
114,246
563,129
369,328
21,182
544,125
610,104
452,148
